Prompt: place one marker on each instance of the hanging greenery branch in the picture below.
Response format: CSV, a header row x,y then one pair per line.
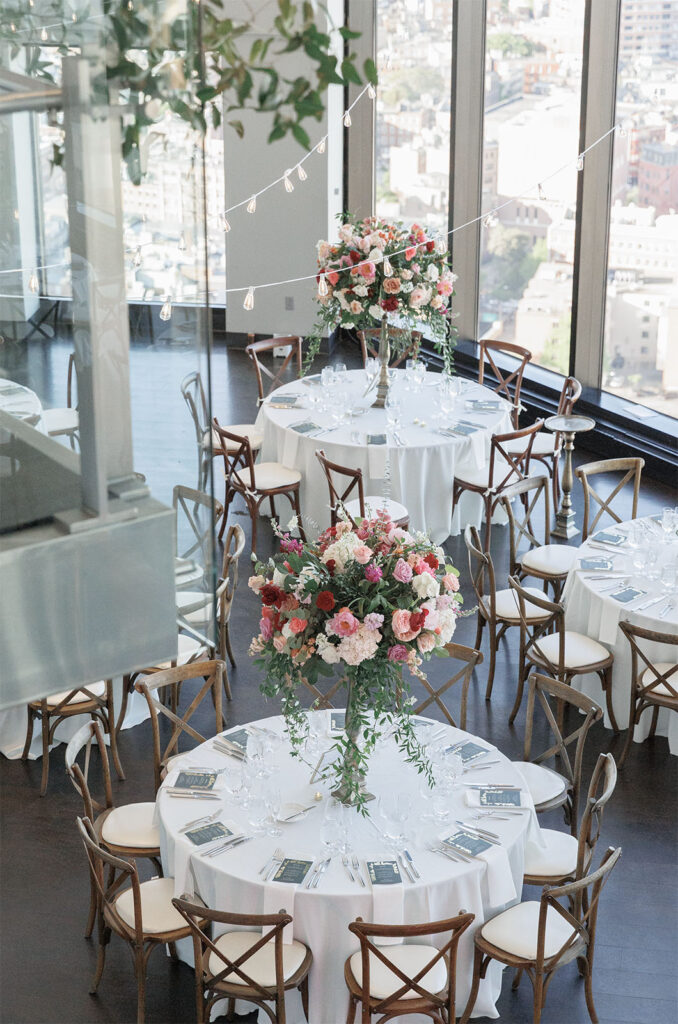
x,y
197,63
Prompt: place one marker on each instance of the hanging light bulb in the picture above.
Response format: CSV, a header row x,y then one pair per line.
x,y
137,257
249,299
252,205
441,244
388,269
16,214
347,120
289,187
181,244
301,173
43,34
33,283
12,26
580,163
74,16
166,311
371,91
322,285
540,191
623,129
130,5
320,148
225,225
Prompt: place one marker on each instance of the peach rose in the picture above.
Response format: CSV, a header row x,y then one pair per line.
x,y
400,624
392,285
451,582
362,554
279,643
298,625
426,642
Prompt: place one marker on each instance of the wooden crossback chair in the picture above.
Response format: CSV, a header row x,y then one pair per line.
x,y
256,349
503,379
399,980
140,913
631,470
358,506
198,514
245,964
209,445
548,446
654,684
369,344
548,562
565,857
549,788
507,465
539,937
126,831
211,673
561,652
64,422
469,658
94,699
255,483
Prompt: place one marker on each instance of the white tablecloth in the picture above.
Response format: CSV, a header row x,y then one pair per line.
x,y
598,614
419,474
321,916
20,401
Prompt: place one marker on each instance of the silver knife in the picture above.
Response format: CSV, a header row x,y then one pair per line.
x,y
356,868
344,861
191,796
228,845
412,864
320,872
648,604
404,865
313,872
206,819
490,837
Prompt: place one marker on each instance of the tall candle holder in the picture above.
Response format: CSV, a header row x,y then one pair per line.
x,y
569,426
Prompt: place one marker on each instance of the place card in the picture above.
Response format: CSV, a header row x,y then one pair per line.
x,y
294,404
292,871
311,379
500,798
376,438
596,564
188,779
460,429
306,427
465,842
628,594
337,721
237,739
383,872
282,400
483,404
610,537
208,833
468,751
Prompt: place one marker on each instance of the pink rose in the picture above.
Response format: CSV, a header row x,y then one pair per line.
x,y
410,252
419,296
373,573
344,623
255,583
402,571
391,285
421,566
451,582
266,629
279,643
426,642
362,554
401,626
333,277
367,269
397,653
298,625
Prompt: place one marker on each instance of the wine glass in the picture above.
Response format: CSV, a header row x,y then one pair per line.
x,y
668,577
371,369
327,376
273,803
257,810
395,809
652,562
332,828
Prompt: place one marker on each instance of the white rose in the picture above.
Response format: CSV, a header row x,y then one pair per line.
x,y
406,286
361,290
432,274
447,623
376,312
279,578
327,651
425,586
349,327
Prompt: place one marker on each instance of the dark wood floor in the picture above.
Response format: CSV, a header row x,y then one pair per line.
x,y
46,963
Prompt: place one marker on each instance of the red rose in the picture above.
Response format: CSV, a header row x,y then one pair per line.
x,y
430,246
270,594
355,257
331,566
431,560
417,619
390,304
325,601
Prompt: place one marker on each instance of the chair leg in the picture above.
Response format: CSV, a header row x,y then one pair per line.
x,y
140,971
633,719
606,679
479,631
521,679
110,722
104,939
44,721
352,1005
227,684
588,992
93,897
227,645
493,659
655,718
303,988
475,984
29,732
556,482
517,979
297,510
488,523
126,689
538,997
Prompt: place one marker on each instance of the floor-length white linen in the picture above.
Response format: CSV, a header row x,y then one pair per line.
x,y
419,473
321,916
598,614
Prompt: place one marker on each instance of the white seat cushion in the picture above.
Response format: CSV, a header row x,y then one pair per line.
x,y
192,599
661,689
270,475
261,966
580,650
554,559
410,959
97,689
256,437
187,648
557,857
544,443
60,421
374,503
506,606
542,783
157,912
479,477
131,825
515,930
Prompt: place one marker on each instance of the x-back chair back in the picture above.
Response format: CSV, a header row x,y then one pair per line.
x,y
411,995
630,469
256,349
199,513
332,470
87,737
211,674
541,691
530,493
502,380
469,659
234,545
369,343
654,682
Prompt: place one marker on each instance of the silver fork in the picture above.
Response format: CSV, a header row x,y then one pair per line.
x,y
356,868
665,611
278,856
344,861
205,820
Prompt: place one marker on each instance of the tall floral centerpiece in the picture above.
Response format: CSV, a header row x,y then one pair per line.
x,y
369,601
382,273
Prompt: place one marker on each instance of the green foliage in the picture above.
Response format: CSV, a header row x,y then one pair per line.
x,y
512,262
513,46
556,351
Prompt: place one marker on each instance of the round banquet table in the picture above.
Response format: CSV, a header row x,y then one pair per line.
x,y
419,473
597,614
20,401
231,880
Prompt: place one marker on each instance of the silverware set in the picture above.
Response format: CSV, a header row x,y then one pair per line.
x,y
316,873
222,744
666,609
230,844
190,794
206,819
454,855
272,864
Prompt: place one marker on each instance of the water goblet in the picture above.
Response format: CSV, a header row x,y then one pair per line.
x,y
327,376
652,566
332,828
668,577
257,811
668,524
419,374
441,805
273,803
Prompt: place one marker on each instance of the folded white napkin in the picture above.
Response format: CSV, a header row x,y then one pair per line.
x,y
610,613
388,907
376,460
472,799
290,445
280,896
